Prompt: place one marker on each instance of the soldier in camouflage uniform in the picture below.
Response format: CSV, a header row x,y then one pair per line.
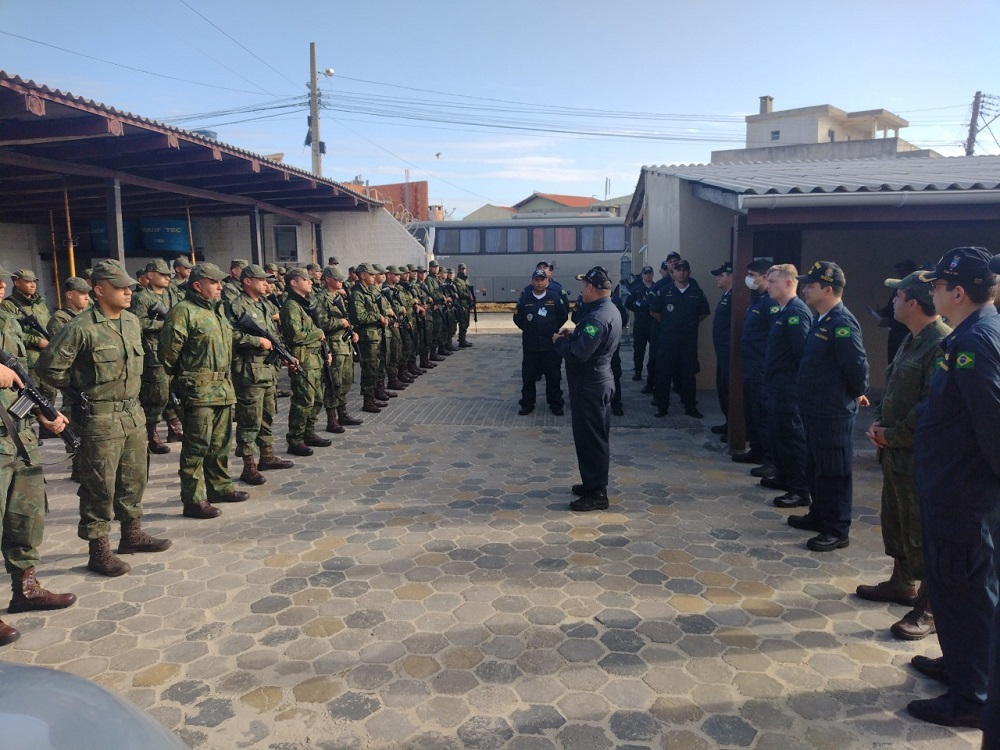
x,y
304,338
402,300
254,380
394,348
907,383
438,309
22,490
331,305
390,338
98,360
76,296
155,392
23,303
428,352
466,302
178,282
196,347
451,309
414,314
369,323
233,285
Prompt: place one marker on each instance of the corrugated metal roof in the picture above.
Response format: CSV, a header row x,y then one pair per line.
x,y
128,117
844,176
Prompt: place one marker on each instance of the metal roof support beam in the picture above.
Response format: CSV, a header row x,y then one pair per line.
x,y
49,165
256,240
116,231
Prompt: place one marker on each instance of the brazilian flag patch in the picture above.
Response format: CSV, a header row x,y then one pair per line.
x,y
793,320
775,309
965,361
590,329
842,333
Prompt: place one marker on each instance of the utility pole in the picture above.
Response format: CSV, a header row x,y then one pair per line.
x,y
970,143
317,159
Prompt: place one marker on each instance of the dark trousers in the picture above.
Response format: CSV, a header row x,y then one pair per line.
x,y
654,346
961,579
755,414
991,713
616,370
788,449
676,363
830,452
640,338
590,404
535,364
722,379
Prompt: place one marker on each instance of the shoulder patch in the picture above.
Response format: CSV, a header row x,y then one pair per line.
x,y
590,329
842,333
793,320
775,309
965,361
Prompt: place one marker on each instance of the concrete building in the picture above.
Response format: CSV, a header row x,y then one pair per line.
x,y
864,214
820,132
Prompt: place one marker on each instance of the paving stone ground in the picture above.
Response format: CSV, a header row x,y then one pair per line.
x,y
420,585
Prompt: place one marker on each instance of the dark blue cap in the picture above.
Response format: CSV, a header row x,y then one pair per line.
x,y
963,266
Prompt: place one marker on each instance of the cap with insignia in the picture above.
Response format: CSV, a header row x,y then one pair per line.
x,y
114,273
914,286
158,266
207,271
253,271
182,262
538,273
24,274
963,266
596,277
75,284
681,264
726,267
824,272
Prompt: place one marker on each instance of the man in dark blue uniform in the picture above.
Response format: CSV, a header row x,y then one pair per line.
x,y
786,341
956,468
638,303
666,279
722,324
588,350
833,378
540,313
753,347
679,308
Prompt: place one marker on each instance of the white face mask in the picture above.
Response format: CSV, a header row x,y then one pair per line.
x,y
751,282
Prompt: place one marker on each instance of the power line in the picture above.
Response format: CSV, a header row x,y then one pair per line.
x,y
237,42
127,67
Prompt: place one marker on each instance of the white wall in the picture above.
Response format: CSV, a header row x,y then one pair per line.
x,y
21,246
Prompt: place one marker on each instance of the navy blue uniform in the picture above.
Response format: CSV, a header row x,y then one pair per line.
x,y
677,344
588,355
753,347
956,468
538,320
832,375
654,332
786,341
638,303
722,325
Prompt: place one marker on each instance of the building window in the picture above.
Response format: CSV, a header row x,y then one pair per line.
x,y
775,135
286,244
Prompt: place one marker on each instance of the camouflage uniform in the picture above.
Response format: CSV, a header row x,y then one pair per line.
x,y
433,285
365,316
155,392
907,381
304,339
20,307
196,347
332,308
466,300
101,358
232,287
393,336
254,380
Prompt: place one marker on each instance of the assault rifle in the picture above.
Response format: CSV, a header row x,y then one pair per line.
x,y
32,323
158,311
30,398
246,324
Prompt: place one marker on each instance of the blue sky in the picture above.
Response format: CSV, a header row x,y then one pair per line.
x,y
679,73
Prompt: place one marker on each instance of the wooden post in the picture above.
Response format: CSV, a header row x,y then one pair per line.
x,y
187,208
55,258
69,233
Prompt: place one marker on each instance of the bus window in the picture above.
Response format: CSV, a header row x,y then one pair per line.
x,y
517,240
614,239
565,239
542,239
494,241
456,241
592,239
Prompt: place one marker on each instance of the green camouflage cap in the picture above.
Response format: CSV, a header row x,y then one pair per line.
x,y
207,271
271,267
914,286
461,266
24,274
433,264
4,272
421,269
296,273
238,263
391,269
75,284
182,262
449,270
410,267
114,273
158,266
364,268
87,273
140,272
377,268
313,267
334,272
253,271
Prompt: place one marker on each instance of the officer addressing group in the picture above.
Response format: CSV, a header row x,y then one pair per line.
x,y
540,313
196,346
588,349
98,360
